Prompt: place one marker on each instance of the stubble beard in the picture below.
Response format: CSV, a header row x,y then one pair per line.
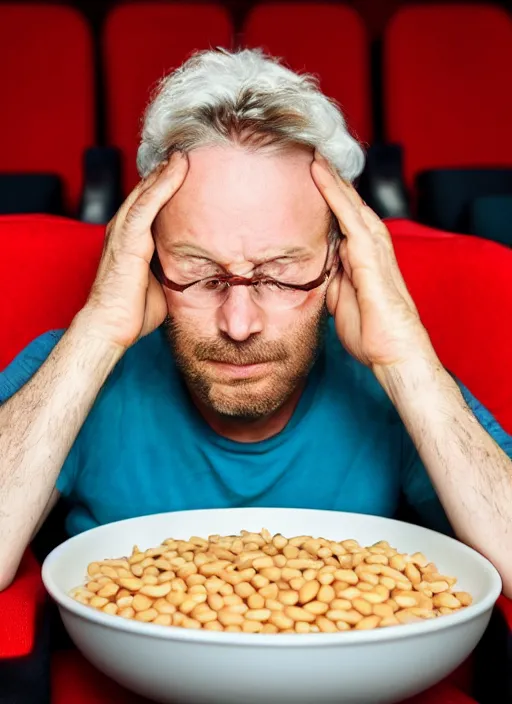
x,y
247,400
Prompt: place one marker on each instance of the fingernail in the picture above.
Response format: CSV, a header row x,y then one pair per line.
x,y
323,163
179,154
320,158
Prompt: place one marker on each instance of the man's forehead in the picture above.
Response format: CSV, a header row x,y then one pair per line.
x,y
235,197
185,248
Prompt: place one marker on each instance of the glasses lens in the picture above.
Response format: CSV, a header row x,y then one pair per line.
x,y
212,293
271,295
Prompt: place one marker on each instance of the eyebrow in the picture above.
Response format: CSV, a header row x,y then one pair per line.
x,y
185,249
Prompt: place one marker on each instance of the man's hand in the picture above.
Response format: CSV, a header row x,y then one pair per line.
x,y
375,316
126,302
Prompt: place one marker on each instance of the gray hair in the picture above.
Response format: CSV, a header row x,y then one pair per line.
x,y
219,97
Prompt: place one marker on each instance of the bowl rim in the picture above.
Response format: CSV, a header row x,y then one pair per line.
x,y
352,637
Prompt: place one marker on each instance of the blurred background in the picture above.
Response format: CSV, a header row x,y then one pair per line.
x,y
425,86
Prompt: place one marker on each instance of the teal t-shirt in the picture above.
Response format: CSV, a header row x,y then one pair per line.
x,y
145,449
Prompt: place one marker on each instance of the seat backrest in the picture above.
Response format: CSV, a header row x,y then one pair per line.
x,y
48,118
142,42
446,77
462,287
47,266
328,40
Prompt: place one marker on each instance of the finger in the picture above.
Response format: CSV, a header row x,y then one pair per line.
x,y
156,305
351,310
333,293
395,269
142,185
375,224
367,214
344,258
346,186
348,216
152,199
349,317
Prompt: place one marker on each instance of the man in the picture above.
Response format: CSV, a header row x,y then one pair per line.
x,y
235,350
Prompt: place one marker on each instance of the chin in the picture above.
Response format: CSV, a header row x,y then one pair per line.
x,y
250,400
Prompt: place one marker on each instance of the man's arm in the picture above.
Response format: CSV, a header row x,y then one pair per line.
x,y
39,423
378,323
38,426
472,475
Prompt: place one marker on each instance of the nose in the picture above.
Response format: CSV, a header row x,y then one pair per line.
x,y
239,316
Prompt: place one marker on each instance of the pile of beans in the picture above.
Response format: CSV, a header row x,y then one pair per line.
x,y
260,583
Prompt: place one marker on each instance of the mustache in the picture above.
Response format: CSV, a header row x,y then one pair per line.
x,y
240,353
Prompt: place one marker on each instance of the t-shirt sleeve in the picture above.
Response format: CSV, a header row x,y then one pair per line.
x,y
417,487
18,373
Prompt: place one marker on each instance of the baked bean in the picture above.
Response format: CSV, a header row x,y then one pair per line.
x,y
108,590
288,597
348,576
316,607
325,625
176,598
163,620
342,626
163,607
156,591
229,618
298,582
367,623
450,601
98,602
279,619
270,591
146,616
389,621
365,587
213,626
464,598
308,591
133,584
359,604
326,594
255,601
125,601
252,627
126,613
110,608
274,605
351,616
206,616
297,613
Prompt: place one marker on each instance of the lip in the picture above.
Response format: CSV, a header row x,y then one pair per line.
x,y
241,371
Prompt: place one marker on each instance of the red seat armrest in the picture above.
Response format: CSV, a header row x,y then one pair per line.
x,y
19,605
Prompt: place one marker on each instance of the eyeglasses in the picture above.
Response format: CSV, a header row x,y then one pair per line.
x,y
267,292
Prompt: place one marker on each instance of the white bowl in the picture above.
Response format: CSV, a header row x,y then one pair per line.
x,y
169,664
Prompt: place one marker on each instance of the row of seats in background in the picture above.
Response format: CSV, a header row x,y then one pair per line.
x,y
444,155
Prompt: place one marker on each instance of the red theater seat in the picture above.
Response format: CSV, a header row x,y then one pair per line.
x,y
462,287
325,39
142,42
47,120
446,77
